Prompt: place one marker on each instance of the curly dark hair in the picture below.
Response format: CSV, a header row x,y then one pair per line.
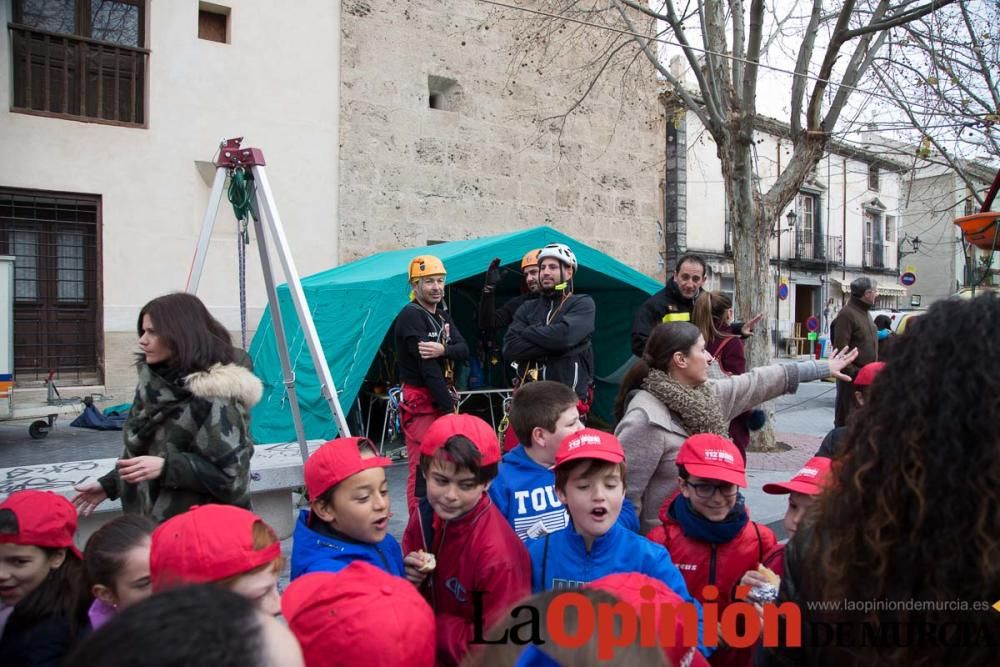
x,y
913,510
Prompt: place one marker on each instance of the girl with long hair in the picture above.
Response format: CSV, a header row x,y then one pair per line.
x,y
666,397
187,439
908,526
43,591
713,315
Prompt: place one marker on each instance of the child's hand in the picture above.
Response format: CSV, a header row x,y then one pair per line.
x,y
418,564
753,578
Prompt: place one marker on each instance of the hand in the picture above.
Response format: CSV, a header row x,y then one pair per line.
x,y
412,564
748,327
753,578
492,275
140,468
839,359
430,350
89,495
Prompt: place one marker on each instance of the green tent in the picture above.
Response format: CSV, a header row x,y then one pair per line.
x,y
354,306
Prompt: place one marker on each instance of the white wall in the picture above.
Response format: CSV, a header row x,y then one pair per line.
x,y
276,83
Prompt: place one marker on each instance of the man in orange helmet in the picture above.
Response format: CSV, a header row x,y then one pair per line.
x,y
427,345
491,317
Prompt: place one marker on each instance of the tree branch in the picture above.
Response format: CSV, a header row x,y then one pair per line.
x,y
898,20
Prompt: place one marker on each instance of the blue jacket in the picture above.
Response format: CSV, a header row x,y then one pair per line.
x,y
323,551
524,492
561,561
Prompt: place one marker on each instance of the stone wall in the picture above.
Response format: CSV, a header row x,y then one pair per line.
x,y
483,162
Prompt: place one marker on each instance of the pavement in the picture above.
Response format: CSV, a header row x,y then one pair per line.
x,y
801,419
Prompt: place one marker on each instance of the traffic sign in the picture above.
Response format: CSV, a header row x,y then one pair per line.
x,y
783,291
812,324
908,278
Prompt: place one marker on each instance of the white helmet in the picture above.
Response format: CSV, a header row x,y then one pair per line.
x,y
559,251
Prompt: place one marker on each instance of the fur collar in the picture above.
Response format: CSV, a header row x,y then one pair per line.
x,y
226,381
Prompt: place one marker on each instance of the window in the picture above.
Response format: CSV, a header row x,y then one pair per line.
x,y
443,94
890,229
54,240
213,22
82,59
873,248
806,212
873,177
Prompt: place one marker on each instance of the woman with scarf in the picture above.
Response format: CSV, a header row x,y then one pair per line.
x,y
666,397
187,439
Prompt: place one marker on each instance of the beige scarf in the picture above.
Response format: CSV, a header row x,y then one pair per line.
x,y
697,407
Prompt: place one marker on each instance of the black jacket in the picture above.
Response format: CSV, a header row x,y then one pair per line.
x,y
43,644
414,325
491,317
562,349
667,305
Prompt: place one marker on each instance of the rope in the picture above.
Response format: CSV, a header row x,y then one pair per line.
x,y
241,194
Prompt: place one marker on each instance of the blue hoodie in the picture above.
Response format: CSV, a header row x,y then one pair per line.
x,y
524,492
322,550
561,561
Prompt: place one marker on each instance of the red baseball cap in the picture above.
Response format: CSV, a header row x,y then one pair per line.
x,y
44,519
589,443
867,373
713,457
629,588
207,543
809,480
475,429
361,615
337,460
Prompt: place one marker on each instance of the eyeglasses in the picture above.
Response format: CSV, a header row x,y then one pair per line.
x,y
706,491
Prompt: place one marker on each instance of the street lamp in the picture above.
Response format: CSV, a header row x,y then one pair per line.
x,y
790,216
900,253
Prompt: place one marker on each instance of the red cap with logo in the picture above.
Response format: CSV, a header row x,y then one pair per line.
x,y
337,460
361,615
207,543
809,480
711,456
589,443
475,429
639,589
867,373
44,519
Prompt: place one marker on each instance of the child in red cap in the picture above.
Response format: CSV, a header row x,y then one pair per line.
x,y
457,543
639,590
707,529
590,482
832,443
221,544
43,591
802,490
359,616
348,518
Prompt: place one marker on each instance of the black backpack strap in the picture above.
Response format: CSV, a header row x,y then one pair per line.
x,y
760,543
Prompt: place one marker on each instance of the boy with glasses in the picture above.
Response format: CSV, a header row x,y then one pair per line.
x,y
707,529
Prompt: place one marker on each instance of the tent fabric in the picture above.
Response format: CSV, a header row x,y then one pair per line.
x,y
354,305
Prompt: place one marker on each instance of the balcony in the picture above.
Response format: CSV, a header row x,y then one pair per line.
x,y
875,256
817,248
69,76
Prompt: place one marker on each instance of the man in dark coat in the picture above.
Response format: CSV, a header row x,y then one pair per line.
x,y
675,302
854,327
552,334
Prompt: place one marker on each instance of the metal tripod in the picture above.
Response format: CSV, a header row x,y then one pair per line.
x,y
232,157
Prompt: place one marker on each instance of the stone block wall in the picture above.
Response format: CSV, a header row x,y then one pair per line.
x,y
484,162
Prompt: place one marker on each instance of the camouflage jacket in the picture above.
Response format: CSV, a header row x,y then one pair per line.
x,y
201,429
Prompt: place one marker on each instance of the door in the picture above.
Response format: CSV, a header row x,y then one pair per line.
x,y
54,240
806,306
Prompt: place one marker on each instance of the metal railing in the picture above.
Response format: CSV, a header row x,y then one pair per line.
x,y
77,77
818,248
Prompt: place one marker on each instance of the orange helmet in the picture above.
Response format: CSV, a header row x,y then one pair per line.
x,y
426,265
530,258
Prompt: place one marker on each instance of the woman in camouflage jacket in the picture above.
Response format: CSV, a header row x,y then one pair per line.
x,y
187,439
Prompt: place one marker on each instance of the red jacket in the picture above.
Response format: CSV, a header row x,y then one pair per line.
x,y
478,551
775,559
722,565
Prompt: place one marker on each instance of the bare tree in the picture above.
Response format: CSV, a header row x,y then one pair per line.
x,y
724,43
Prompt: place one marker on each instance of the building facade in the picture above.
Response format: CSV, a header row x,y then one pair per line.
x,y
384,125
